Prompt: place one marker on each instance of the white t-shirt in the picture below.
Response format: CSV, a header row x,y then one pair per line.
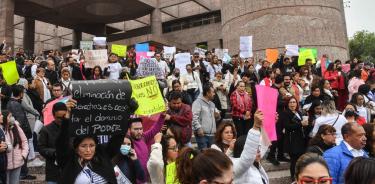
x,y
114,70
330,120
164,67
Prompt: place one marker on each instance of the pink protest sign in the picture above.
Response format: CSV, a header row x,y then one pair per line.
x,y
138,56
47,111
345,68
267,101
323,65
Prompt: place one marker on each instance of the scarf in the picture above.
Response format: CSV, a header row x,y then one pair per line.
x,y
242,98
328,92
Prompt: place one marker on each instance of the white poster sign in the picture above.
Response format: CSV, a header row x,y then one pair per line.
x,y
246,46
182,59
96,57
291,50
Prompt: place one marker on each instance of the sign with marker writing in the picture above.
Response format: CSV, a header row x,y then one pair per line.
x,y
102,107
96,57
147,93
149,66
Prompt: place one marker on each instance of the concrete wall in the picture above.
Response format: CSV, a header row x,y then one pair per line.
x,y
210,33
275,23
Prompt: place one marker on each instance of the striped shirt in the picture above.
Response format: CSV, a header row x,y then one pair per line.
x,y
87,176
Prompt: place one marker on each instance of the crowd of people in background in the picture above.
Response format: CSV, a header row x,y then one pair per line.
x,y
325,122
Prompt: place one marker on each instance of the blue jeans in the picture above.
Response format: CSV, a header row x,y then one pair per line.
x,y
51,182
13,176
204,141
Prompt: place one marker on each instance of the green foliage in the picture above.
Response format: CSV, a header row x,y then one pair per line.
x,y
362,46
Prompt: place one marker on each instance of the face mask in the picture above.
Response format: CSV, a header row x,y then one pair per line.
x,y
125,149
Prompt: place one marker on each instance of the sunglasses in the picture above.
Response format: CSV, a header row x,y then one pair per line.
x,y
316,181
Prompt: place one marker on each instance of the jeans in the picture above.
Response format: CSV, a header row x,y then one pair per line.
x,y
204,141
13,176
51,182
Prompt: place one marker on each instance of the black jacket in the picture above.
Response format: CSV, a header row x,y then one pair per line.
x,y
319,148
67,159
47,148
295,140
52,76
6,91
19,114
76,73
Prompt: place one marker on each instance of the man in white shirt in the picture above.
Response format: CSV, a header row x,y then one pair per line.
x,y
162,64
339,157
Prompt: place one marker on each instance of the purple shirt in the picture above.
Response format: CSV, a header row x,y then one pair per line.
x,y
141,146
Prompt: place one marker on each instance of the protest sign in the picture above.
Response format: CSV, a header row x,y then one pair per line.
x,y
305,54
220,53
86,45
149,66
147,93
120,50
10,72
226,58
202,52
246,46
314,51
272,55
169,52
96,57
182,59
345,68
47,111
102,107
291,50
140,55
267,101
142,47
100,41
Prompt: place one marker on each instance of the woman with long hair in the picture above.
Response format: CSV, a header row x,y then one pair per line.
x,y
330,116
17,149
162,162
192,83
84,162
97,73
225,138
296,132
370,142
359,101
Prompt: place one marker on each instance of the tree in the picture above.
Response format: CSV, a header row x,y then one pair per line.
x,y
362,46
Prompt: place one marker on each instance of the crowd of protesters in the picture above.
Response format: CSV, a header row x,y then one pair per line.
x,y
324,125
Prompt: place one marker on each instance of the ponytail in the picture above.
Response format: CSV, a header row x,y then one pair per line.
x,y
193,167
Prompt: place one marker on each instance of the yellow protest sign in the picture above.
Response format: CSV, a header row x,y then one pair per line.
x,y
10,72
120,50
147,93
305,54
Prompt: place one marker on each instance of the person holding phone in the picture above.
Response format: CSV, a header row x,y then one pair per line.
x,y
124,156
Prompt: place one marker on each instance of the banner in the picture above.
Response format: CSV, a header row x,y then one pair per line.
x,y
148,67
246,46
202,52
100,41
291,50
220,53
120,50
267,102
86,45
142,47
182,59
305,54
10,72
147,93
102,107
96,57
272,55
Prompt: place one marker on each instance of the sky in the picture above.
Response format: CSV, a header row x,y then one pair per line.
x,y
360,16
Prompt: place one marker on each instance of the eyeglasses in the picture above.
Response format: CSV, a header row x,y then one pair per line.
x,y
174,148
316,181
333,134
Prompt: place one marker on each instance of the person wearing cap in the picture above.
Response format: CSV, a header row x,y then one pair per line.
x,y
198,66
